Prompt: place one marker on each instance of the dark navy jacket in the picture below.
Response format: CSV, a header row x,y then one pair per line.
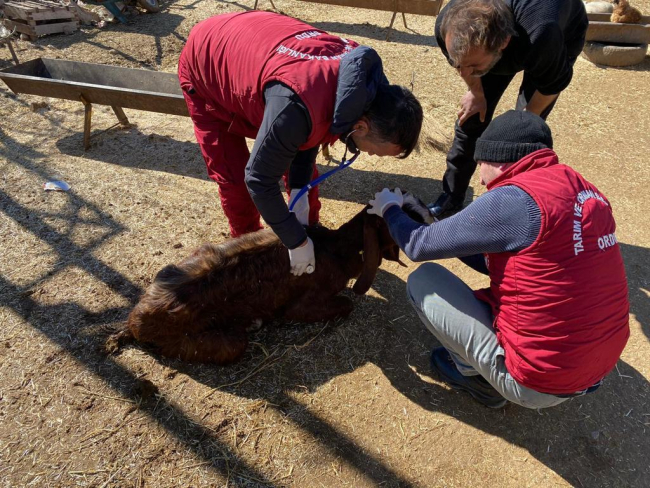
x,y
287,125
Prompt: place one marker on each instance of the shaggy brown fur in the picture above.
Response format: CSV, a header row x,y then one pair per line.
x,y
199,309
624,13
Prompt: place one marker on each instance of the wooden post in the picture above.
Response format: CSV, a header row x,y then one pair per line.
x,y
13,53
390,27
87,121
121,116
392,21
256,2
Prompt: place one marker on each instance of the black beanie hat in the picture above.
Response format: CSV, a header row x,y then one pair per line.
x,y
512,136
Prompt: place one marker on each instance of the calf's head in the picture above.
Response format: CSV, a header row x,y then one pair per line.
x,y
378,243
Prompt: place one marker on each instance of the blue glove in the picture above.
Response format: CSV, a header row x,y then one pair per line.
x,y
385,199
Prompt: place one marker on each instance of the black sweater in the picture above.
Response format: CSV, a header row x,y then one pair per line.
x,y
550,36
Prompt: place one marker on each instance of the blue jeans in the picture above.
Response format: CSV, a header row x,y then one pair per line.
x,y
463,325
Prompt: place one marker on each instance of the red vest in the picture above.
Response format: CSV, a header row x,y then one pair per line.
x,y
228,59
561,305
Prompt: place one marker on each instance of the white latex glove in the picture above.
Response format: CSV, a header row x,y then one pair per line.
x,y
303,259
302,206
385,199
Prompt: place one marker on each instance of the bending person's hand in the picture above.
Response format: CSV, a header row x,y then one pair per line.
x,y
385,199
470,104
301,209
302,258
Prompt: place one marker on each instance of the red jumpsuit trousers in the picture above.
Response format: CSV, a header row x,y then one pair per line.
x,y
226,156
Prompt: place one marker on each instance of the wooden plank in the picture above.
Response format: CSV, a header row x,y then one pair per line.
x,y
65,27
36,4
623,33
16,11
418,7
53,15
23,5
35,30
606,18
129,88
40,13
22,28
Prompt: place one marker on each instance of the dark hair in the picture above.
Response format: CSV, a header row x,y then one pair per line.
x,y
395,116
476,23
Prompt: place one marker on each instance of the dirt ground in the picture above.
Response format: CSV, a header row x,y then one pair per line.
x,y
337,404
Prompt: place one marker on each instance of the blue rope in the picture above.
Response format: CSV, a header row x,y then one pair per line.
x,y
317,181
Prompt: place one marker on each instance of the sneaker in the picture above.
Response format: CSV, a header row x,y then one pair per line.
x,y
477,386
444,204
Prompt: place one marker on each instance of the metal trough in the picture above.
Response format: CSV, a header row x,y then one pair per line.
x,y
89,83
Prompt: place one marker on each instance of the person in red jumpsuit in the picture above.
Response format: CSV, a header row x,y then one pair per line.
x,y
292,88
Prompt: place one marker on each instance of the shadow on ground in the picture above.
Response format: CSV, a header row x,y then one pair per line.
x,y
593,440
398,34
636,260
145,29
184,158
599,439
73,318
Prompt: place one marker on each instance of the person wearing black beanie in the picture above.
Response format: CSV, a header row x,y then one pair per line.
x,y
558,293
488,42
512,136
509,138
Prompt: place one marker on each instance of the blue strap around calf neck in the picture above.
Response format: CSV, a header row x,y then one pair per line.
x,y
344,164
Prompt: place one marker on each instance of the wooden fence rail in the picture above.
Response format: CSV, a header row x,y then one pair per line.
x,y
416,7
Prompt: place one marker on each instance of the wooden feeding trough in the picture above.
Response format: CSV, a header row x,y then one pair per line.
x,y
34,19
616,44
89,83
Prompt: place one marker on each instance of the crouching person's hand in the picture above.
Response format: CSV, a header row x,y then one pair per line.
x,y
385,199
302,258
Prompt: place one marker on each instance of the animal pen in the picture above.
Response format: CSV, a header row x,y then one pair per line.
x,y
141,89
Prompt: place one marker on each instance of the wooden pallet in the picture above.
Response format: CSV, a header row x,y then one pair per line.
x,y
39,18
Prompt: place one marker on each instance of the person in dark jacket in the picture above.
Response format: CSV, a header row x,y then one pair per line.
x,y
292,88
554,320
488,42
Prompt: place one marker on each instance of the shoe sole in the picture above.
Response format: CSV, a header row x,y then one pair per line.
x,y
494,406
459,387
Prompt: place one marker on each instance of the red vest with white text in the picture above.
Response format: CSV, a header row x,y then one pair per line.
x,y
228,59
561,305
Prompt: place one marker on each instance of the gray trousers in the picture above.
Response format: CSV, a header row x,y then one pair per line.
x,y
463,325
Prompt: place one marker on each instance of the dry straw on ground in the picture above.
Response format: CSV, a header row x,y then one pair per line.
x,y
339,404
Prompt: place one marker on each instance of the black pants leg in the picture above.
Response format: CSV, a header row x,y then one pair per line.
x,y
460,158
